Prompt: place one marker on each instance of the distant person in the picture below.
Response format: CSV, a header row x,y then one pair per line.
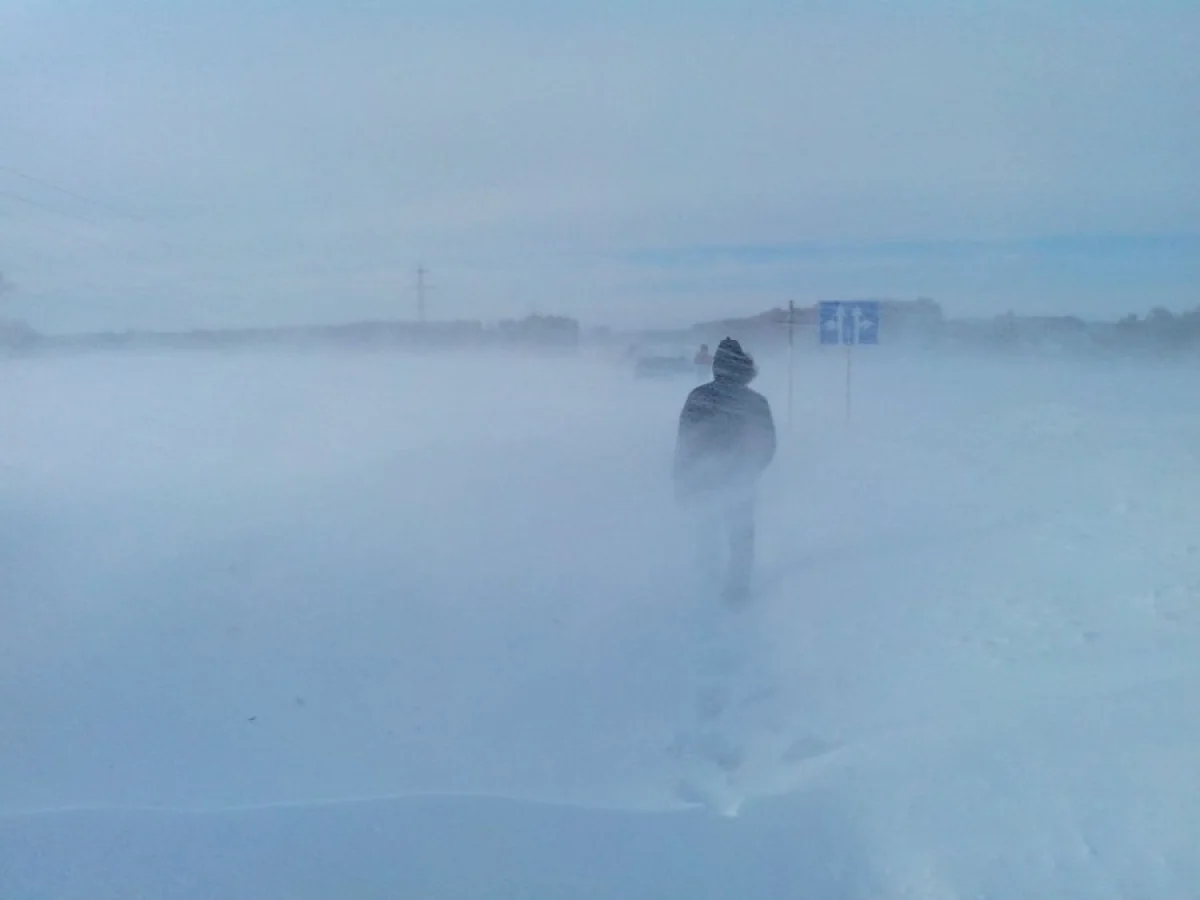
x,y
726,439
703,362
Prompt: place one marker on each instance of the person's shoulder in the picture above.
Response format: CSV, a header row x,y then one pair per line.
x,y
758,399
698,397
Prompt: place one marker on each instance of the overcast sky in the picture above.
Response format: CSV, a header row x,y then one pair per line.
x,y
176,164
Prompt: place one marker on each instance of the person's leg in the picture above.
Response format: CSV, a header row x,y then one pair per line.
x,y
739,524
709,542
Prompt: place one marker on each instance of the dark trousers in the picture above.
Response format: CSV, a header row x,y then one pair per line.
x,y
726,541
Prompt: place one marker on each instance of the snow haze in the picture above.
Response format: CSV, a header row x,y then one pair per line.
x,y
379,625
250,163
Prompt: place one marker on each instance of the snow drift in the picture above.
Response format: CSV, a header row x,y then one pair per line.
x,y
324,625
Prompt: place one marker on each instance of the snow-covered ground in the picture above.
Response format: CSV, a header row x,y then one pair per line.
x,y
383,626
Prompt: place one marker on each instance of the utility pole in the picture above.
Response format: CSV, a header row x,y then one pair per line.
x,y
7,288
421,293
791,358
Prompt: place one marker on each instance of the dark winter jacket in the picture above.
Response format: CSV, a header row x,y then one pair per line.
x,y
726,432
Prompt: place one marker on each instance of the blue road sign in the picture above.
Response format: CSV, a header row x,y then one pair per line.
x,y
829,322
864,316
850,322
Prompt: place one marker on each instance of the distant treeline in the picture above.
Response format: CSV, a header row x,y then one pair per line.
x,y
538,332
920,323
1160,332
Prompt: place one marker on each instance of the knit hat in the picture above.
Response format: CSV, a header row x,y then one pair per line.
x,y
732,363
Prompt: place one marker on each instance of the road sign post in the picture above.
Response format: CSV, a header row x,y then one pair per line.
x,y
848,323
791,357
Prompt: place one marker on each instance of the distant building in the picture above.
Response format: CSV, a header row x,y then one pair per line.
x,y
16,335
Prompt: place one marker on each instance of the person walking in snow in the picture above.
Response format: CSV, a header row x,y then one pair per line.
x,y
726,440
703,362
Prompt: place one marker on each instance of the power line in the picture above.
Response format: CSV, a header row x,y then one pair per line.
x,y
155,237
21,198
34,179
